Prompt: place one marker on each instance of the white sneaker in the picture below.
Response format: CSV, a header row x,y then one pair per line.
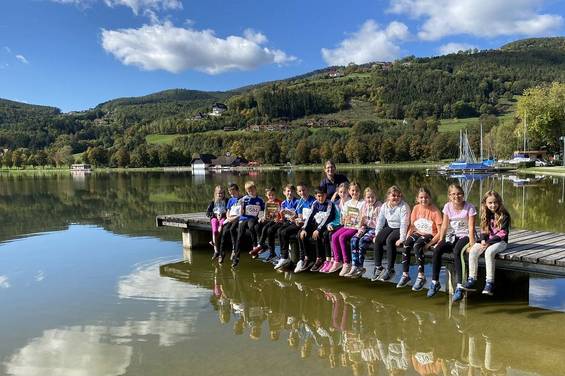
x,y
351,271
299,266
282,263
345,269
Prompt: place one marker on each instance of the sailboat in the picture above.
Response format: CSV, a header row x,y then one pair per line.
x,y
467,160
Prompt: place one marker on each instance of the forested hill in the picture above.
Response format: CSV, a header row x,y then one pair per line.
x,y
16,112
465,84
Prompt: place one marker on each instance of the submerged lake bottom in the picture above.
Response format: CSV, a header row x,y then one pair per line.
x,y
89,286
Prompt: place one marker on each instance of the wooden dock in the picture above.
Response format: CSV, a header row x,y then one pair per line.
x,y
528,251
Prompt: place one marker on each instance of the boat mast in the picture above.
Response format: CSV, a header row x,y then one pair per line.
x,y
482,141
461,144
525,129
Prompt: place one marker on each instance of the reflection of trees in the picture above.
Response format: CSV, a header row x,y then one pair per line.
x,y
127,203
370,334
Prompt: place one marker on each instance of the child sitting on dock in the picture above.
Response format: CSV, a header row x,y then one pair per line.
x,y
363,239
322,213
351,220
229,230
457,232
303,210
391,230
495,226
216,211
251,207
342,198
268,224
425,223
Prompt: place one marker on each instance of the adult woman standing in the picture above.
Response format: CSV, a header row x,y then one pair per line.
x,y
332,180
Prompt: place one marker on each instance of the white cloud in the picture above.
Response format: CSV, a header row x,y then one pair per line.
x,y
175,49
254,36
139,5
483,18
7,49
22,59
4,283
453,47
370,43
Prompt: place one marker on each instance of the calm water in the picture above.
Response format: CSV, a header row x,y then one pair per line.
x,y
89,286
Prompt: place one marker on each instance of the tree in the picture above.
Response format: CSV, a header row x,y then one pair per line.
x,y
386,152
543,108
302,152
96,156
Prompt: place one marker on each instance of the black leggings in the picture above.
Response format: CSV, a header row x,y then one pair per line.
x,y
269,231
305,249
228,236
285,233
416,242
241,229
442,247
387,236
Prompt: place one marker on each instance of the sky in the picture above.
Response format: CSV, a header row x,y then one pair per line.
x,y
75,54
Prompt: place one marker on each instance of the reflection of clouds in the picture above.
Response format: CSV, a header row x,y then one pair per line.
x,y
547,293
145,283
541,289
174,322
74,351
40,276
4,284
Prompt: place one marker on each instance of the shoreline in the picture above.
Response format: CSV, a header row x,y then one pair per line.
x,y
553,171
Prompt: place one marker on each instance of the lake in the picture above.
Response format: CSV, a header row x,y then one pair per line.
x,y
89,286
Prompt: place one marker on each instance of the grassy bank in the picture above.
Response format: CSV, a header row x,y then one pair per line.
x,y
311,167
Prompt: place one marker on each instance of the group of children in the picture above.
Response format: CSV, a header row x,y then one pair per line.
x,y
334,234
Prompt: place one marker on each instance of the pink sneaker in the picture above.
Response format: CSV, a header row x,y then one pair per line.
x,y
335,267
325,267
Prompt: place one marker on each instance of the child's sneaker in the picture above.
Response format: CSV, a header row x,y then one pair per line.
x,y
317,265
458,294
489,289
386,275
300,266
335,267
470,284
377,273
358,273
344,269
403,281
419,284
351,271
325,266
283,262
434,289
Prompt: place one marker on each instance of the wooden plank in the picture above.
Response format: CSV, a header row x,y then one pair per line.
x,y
531,244
552,258
524,245
545,252
561,261
531,249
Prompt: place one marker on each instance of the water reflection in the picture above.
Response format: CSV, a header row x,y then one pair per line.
x,y
69,352
378,330
128,203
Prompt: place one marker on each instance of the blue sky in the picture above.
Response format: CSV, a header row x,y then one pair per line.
x,y
75,54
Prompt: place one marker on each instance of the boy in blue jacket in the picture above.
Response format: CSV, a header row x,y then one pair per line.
x,y
251,207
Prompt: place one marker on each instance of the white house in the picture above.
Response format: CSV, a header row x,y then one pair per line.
x,y
218,109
